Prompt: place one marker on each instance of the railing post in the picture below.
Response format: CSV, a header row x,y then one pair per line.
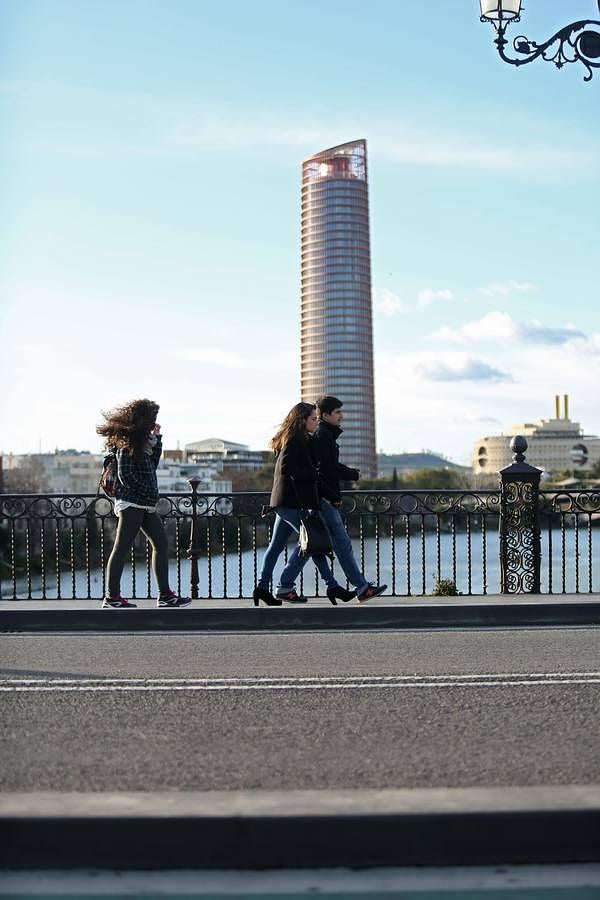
x,y
520,554
193,551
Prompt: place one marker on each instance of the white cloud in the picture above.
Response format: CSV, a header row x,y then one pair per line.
x,y
508,288
388,303
493,326
427,296
454,366
442,149
537,334
499,326
477,420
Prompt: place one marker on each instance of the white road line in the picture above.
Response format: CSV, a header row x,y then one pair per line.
x,y
294,679
367,682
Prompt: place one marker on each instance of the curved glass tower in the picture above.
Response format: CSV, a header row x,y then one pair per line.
x,y
336,317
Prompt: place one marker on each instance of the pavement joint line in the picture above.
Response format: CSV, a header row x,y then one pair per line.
x,y
88,882
186,632
310,802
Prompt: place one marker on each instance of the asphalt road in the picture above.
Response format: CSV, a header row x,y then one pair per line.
x,y
134,712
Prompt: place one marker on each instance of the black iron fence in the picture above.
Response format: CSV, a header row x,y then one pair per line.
x,y
57,546
568,531
516,539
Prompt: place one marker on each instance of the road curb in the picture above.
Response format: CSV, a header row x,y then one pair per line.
x,y
300,829
395,616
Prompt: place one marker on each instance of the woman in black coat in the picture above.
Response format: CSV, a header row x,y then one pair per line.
x,y
294,488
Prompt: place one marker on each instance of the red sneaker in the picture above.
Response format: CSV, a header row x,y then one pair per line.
x,y
292,597
118,602
372,590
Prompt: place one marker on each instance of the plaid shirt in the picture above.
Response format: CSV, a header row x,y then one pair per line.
x,y
137,480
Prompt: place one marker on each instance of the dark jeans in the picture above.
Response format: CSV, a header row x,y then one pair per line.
x,y
287,521
342,546
131,520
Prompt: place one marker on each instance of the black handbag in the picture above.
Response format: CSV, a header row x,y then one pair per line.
x,y
314,534
314,539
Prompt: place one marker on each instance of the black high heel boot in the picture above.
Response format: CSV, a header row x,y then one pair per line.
x,y
337,591
266,597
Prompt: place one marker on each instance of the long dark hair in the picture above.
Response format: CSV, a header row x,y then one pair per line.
x,y
129,427
294,423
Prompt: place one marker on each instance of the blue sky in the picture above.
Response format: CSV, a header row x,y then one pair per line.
x,y
149,244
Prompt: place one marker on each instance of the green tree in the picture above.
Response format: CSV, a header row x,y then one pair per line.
x,y
262,480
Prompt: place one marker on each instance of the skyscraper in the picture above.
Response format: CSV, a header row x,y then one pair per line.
x,y
336,316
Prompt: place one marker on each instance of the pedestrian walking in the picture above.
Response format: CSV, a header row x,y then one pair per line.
x,y
331,472
133,435
295,488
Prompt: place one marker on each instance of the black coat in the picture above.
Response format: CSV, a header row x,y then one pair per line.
x,y
296,460
331,470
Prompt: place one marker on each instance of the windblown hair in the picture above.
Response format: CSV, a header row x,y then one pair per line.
x,y
294,423
129,427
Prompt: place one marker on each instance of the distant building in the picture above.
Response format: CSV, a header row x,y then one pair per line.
x,y
552,445
225,455
176,455
173,478
62,472
78,472
336,333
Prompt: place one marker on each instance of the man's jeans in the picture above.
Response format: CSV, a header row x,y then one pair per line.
x,y
342,546
287,521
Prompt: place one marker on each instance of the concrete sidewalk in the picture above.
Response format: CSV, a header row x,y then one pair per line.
x,y
426,600
518,610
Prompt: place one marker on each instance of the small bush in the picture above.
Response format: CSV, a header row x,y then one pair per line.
x,y
445,587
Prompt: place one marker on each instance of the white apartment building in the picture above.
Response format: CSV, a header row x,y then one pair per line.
x,y
61,472
552,445
225,455
173,478
78,472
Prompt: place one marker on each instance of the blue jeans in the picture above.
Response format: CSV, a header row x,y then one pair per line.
x,y
342,546
287,521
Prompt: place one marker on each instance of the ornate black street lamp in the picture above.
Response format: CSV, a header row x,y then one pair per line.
x,y
578,42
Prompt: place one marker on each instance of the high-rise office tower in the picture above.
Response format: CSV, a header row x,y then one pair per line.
x,y
336,315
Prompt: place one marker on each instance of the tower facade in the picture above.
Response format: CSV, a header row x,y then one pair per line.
x,y
336,307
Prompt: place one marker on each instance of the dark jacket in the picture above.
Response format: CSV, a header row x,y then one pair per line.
x,y
297,461
331,470
137,480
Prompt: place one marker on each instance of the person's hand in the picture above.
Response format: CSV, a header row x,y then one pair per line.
x,y
156,429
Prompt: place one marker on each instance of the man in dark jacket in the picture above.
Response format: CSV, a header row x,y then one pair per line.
x,y
331,472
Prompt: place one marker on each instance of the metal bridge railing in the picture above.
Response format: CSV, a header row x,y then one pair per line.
x,y
514,540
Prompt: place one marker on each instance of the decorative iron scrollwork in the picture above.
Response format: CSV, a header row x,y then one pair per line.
x,y
578,42
421,502
573,502
519,538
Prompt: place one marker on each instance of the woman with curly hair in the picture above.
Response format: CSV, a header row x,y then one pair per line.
x,y
133,435
294,488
